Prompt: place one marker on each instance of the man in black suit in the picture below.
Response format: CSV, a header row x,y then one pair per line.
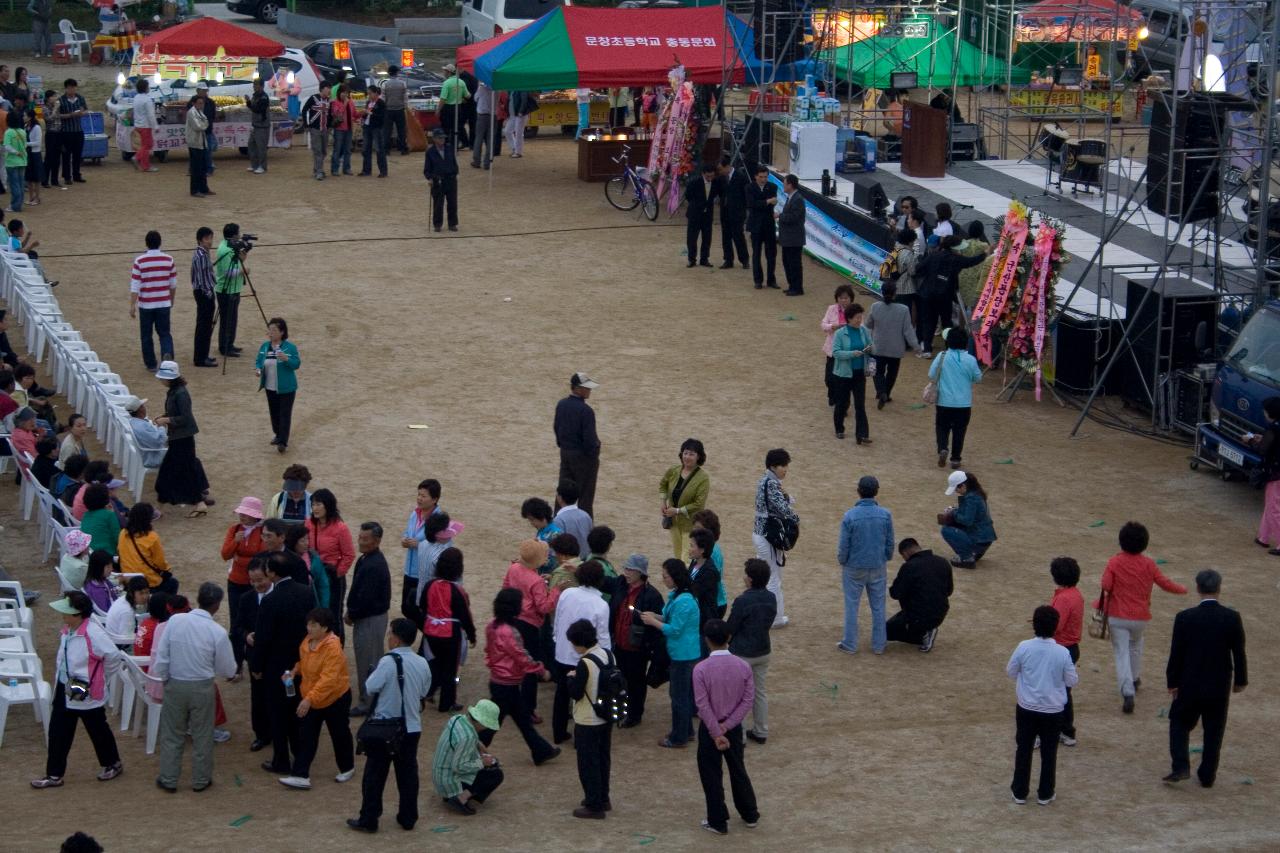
x,y
733,212
1208,645
273,533
278,631
246,625
441,170
761,196
922,587
700,194
791,236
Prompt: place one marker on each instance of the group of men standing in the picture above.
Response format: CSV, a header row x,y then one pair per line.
x,y
750,204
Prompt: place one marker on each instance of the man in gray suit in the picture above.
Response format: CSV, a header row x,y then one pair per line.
x,y
791,236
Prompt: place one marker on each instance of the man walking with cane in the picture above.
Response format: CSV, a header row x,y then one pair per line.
x,y
441,170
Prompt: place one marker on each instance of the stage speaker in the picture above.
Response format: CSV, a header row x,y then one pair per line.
x,y
1163,332
1081,348
1184,149
779,27
756,137
868,194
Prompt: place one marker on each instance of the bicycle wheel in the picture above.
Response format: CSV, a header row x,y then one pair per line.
x,y
649,199
620,193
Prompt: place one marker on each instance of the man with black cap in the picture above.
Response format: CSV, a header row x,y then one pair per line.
x,y
866,544
441,170
575,428
922,587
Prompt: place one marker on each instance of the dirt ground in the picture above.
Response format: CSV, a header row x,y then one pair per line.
x,y
399,326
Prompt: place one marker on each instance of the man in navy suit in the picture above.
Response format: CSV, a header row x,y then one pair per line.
x,y
1207,648
733,212
700,194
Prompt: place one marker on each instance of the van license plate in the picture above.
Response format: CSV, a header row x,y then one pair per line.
x,y
1231,454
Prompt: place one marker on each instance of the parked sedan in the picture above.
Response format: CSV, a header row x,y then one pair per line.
x,y
368,64
264,10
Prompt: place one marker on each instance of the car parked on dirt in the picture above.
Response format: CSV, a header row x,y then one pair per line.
x,y
368,64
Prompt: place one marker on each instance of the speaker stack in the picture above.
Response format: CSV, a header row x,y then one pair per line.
x,y
774,21
1163,333
1188,132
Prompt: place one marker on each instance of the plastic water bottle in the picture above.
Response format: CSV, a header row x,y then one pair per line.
x,y
289,689
12,683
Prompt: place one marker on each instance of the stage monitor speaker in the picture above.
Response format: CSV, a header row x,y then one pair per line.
x,y
868,194
1184,148
1081,348
1163,332
774,23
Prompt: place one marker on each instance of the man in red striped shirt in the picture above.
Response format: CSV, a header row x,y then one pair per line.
x,y
154,280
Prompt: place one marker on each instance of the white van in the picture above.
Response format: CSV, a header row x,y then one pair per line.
x,y
484,19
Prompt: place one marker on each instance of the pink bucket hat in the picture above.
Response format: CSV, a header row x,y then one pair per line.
x,y
250,506
454,528
77,542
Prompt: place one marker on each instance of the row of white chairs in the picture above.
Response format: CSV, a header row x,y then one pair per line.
x,y
86,380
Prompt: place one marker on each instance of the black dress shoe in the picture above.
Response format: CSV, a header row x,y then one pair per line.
x,y
759,286
793,293
459,806
404,825
628,724
79,180
359,826
438,228
608,805
563,738
963,564
774,285
1127,706
691,264
553,754
727,265
257,745
746,266
1175,778
237,350
232,354
271,768
755,737
208,362
706,264
358,712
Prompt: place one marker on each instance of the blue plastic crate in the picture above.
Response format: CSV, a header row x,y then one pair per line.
x,y
94,123
95,146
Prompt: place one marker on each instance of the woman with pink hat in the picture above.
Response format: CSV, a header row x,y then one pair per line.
x,y
243,540
74,564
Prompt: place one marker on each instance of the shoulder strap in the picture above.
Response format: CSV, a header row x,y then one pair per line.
x,y
400,681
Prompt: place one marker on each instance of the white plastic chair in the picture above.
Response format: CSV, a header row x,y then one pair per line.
x,y
14,612
77,41
30,689
57,522
140,680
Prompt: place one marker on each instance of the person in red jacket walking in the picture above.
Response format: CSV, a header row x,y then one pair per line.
x,y
242,542
1069,603
536,603
448,617
509,665
1127,583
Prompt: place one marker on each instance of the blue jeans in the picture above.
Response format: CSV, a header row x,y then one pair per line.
x,y
854,582
681,674
17,178
157,319
210,146
341,152
963,544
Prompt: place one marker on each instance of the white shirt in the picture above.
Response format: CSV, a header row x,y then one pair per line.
x,y
1043,671
73,660
35,138
122,620
193,648
579,602
144,111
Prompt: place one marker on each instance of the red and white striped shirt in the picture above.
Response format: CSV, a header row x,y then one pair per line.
x,y
154,279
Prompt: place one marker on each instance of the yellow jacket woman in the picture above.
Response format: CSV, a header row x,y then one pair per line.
x,y
684,489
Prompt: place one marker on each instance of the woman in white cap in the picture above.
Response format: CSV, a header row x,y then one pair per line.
x,y
181,478
86,660
967,528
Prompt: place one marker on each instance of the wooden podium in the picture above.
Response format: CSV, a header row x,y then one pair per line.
x,y
924,141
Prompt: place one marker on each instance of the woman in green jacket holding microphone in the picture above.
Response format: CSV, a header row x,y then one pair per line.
x,y
684,489
277,364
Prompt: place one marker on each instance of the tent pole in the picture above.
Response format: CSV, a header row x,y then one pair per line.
x,y
493,121
955,76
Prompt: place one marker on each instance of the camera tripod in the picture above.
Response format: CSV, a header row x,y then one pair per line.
x,y
252,291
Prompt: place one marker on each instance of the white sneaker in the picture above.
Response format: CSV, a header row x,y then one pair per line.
x,y
259,171
1020,802
345,776
221,735
302,783
250,169
1066,740
926,644
1046,802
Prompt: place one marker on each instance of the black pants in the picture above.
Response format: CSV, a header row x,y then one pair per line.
x,y
486,782
634,666
931,313
444,190
52,157
280,408
72,151
205,306
395,119
581,468
768,241
467,123
1184,713
511,704
886,376
793,267
337,595
699,227
733,237
561,705
282,713
336,718
856,386
617,117
62,733
594,745
1069,712
198,167
375,146
530,635
259,716
709,762
902,627
950,423
234,591
377,762
444,668
826,380
1030,725
228,317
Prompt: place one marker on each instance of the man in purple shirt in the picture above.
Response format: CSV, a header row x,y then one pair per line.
x,y
723,691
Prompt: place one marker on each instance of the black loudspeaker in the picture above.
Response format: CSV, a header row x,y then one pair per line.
x,y
757,140
868,194
774,22
1162,332
1081,349
1187,134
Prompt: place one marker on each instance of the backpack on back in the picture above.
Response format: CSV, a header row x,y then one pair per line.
x,y
611,689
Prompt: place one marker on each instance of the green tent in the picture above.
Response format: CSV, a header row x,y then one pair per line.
x,y
868,63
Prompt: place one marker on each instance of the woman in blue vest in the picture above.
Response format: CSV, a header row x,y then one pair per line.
x,y
276,366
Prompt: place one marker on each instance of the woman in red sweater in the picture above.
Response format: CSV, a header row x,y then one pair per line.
x,y
1127,583
331,539
243,540
448,617
509,664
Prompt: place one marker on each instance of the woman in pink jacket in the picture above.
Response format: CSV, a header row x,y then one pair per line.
x,y
831,323
509,665
536,604
331,539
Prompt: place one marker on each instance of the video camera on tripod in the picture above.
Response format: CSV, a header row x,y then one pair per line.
x,y
243,243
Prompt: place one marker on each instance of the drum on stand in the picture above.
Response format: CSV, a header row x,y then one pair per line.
x,y
1052,139
1084,161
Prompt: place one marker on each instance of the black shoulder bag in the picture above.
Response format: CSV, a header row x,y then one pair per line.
x,y
383,734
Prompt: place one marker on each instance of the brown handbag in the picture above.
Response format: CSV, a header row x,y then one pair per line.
x,y
1098,625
